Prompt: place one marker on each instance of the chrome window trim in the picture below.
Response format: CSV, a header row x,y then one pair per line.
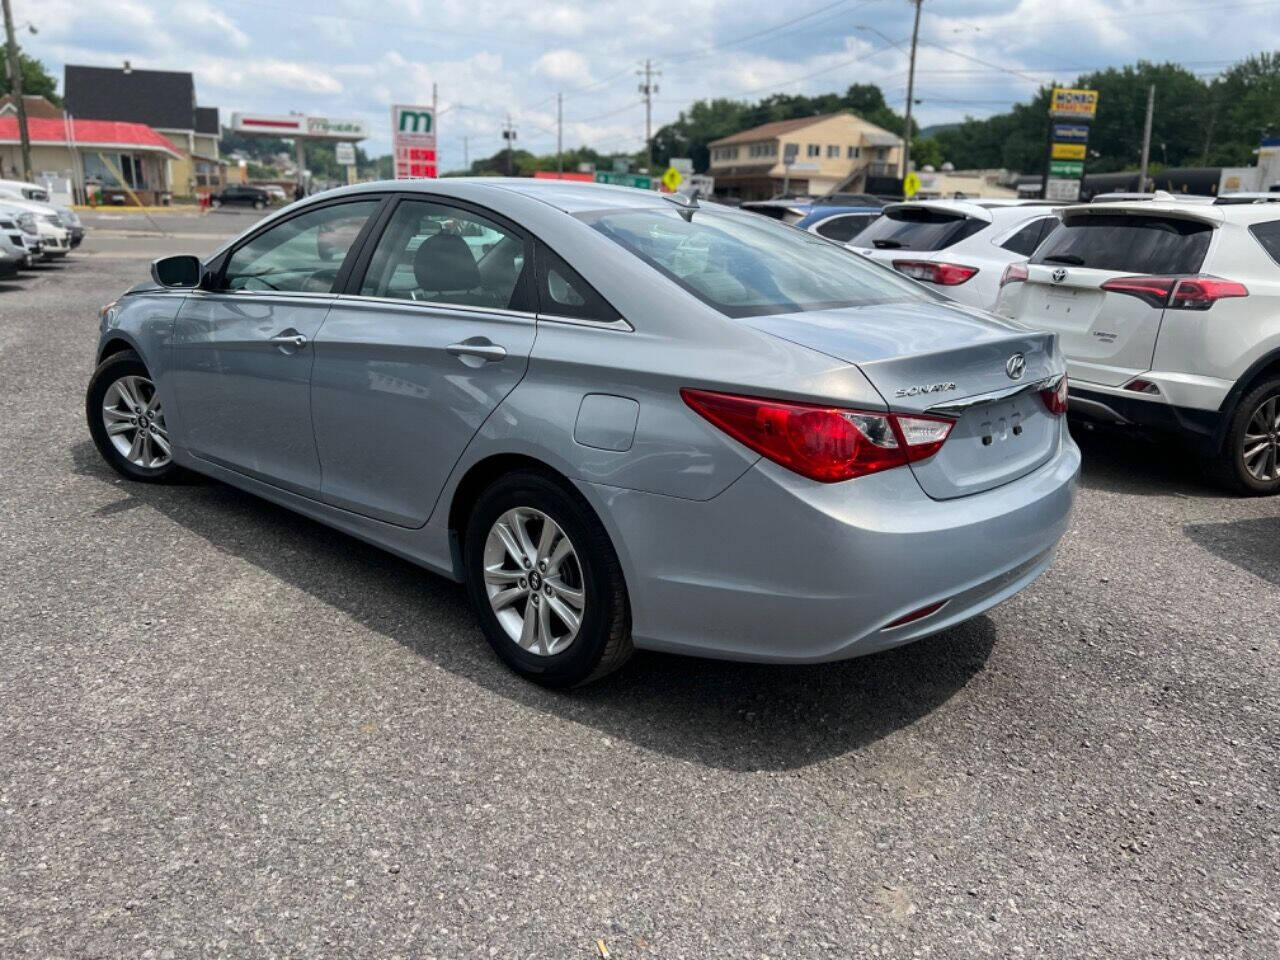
x,y
619,326
459,308
957,407
242,294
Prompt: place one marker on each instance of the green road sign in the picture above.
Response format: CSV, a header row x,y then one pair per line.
x,y
1066,168
625,180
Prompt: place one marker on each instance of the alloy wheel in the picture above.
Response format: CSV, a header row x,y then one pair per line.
x,y
1261,451
134,422
534,582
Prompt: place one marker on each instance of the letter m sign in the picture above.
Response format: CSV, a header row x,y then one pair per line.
x,y
414,121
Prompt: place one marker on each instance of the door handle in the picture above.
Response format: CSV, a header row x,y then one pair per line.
x,y
479,348
289,340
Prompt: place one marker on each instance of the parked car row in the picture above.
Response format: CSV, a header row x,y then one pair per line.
x,y
1127,284
32,229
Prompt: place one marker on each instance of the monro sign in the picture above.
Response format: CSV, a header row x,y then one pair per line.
x,y
295,126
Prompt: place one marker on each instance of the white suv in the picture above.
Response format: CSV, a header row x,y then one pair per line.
x,y
1168,312
961,246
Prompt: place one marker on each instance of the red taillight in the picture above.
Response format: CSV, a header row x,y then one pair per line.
x,y
944,274
1055,398
828,444
1014,273
1177,293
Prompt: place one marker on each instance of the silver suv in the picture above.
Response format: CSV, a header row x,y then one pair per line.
x,y
1168,311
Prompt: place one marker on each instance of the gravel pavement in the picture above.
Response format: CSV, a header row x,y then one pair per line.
x,y
227,731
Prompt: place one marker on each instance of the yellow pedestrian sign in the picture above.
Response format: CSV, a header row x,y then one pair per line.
x,y
672,179
911,184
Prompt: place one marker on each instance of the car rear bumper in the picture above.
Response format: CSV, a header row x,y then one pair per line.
x,y
780,569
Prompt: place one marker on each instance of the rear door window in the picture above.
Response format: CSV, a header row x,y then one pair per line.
x,y
1025,241
919,228
843,229
1268,234
563,293
1127,243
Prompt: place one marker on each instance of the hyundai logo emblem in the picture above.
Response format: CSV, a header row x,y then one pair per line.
x,y
1059,275
1015,366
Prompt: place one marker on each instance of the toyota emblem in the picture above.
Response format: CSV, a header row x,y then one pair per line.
x,y
1015,366
1059,275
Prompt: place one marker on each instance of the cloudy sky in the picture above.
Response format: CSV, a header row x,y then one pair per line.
x,y
352,58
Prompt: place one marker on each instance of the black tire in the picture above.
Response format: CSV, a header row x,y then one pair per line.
x,y
118,365
1229,466
603,642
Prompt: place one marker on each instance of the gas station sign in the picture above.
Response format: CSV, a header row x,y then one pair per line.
x,y
413,141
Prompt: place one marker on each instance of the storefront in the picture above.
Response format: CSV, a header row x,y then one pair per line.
x,y
113,162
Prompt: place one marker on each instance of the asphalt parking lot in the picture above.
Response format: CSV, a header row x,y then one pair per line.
x,y
228,731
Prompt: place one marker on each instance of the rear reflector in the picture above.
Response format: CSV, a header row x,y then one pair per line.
x,y
828,444
1014,273
1138,385
915,615
944,274
1177,293
1055,398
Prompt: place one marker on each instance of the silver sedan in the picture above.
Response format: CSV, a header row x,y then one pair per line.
x,y
624,420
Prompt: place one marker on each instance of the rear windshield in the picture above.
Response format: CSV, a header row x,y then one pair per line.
x,y
918,228
746,266
1127,243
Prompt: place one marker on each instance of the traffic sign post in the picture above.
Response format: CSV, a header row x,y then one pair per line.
x,y
911,184
672,179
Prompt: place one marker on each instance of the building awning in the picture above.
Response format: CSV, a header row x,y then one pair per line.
x,y
89,135
874,139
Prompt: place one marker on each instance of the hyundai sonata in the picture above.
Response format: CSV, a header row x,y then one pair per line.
x,y
624,419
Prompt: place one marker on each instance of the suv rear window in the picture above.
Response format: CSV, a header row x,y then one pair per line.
x,y
918,228
1127,243
1268,234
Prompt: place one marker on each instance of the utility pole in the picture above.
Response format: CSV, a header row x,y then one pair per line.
x,y
911,92
1146,139
509,135
466,161
648,88
559,133
15,87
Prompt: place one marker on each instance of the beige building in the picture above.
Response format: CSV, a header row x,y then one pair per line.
x,y
834,152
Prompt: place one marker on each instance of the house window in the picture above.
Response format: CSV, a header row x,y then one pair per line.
x,y
833,151
853,153
814,150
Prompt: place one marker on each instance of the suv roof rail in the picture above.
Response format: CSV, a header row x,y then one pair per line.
x,y
1246,197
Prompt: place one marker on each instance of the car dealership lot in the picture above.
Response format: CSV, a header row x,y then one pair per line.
x,y
227,730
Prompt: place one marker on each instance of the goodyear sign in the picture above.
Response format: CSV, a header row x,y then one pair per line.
x,y
1069,103
1067,151
413,141
1071,132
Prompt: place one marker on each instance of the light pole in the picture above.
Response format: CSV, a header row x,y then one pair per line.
x,y
15,86
911,88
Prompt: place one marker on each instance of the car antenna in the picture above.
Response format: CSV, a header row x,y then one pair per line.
x,y
687,202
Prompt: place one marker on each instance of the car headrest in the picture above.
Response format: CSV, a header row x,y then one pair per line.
x,y
444,263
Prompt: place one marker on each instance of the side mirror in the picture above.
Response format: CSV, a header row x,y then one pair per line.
x,y
179,272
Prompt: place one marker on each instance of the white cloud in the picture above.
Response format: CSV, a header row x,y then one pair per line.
x,y
563,65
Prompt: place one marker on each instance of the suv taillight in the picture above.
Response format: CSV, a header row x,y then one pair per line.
x,y
1177,293
1014,273
828,444
944,274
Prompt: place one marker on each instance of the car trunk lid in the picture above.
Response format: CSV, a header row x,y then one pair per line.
x,y
940,358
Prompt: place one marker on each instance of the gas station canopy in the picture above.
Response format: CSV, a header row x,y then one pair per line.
x,y
296,127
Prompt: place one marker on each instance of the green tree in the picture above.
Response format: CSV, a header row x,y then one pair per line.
x,y
926,152
36,81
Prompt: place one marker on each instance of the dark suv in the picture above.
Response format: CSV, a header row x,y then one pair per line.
x,y
254,197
